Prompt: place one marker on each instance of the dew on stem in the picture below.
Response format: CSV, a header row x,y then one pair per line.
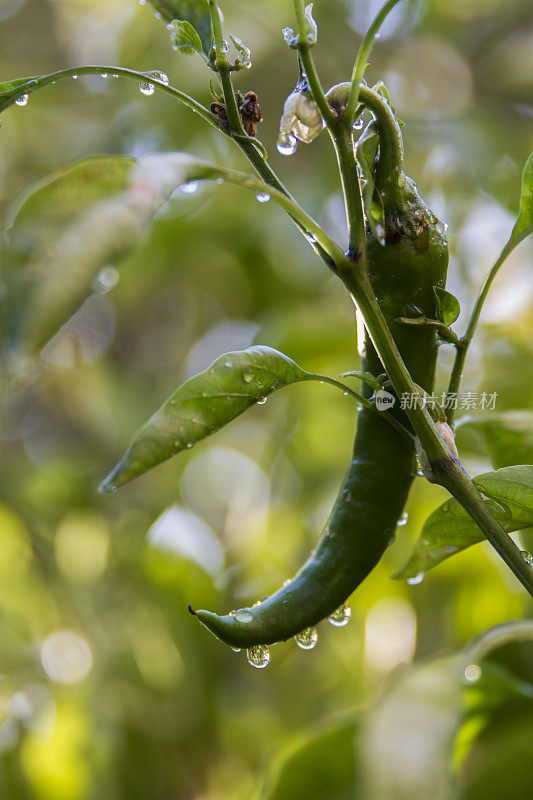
x,y
22,100
262,197
416,579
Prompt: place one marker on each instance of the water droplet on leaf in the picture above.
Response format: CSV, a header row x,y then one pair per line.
x,y
258,656
528,558
307,638
244,616
262,197
416,579
22,100
261,401
340,616
403,520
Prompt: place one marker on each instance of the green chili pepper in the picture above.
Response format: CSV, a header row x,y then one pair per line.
x,y
403,272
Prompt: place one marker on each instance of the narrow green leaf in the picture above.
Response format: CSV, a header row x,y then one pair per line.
x,y
11,89
203,405
524,220
508,437
195,12
449,529
185,39
448,307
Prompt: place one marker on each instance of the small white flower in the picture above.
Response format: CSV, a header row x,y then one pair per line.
x,y
301,116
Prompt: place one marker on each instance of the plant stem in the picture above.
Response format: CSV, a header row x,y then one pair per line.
x,y
343,144
224,73
308,65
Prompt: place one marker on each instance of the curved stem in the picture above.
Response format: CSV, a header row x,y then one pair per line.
x,y
389,169
362,57
88,69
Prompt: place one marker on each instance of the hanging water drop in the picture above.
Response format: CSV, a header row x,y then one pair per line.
x,y
416,579
286,144
103,75
244,616
403,520
189,188
261,401
341,616
307,638
262,197
258,656
22,100
236,649
75,77
146,88
358,124
225,46
528,558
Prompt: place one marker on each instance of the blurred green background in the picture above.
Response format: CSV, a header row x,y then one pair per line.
x,y
109,688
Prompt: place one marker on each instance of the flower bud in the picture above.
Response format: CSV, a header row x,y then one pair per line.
x,y
301,116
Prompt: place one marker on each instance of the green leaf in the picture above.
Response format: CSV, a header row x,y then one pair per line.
x,y
448,308
204,404
524,222
508,437
311,30
195,12
185,39
449,529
